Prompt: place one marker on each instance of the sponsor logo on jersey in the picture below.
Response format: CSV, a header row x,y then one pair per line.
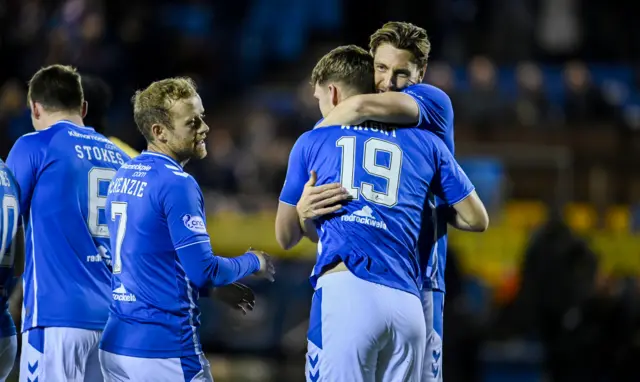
x,y
194,223
364,216
121,294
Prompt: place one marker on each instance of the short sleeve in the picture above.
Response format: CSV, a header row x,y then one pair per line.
x,y
297,173
436,111
183,206
450,183
24,162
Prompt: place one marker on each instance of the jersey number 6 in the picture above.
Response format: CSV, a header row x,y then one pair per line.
x,y
98,177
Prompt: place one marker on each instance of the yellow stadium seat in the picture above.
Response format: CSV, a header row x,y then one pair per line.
x,y
581,217
618,219
525,214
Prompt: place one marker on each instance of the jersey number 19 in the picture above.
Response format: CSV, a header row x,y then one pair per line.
x,y
390,173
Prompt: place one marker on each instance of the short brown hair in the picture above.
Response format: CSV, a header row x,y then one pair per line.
x,y
152,105
405,36
57,88
349,64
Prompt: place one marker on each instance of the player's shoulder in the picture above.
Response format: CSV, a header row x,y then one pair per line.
x,y
168,173
429,139
31,143
427,91
7,179
314,138
324,131
70,132
32,138
308,137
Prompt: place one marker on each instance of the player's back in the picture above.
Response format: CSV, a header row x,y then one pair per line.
x,y
9,220
389,175
154,311
66,276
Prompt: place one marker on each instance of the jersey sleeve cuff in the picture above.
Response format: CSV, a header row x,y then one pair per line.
x,y
290,203
463,197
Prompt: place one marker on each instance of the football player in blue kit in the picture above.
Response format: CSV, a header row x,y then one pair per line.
x,y
11,262
401,51
63,170
162,255
367,320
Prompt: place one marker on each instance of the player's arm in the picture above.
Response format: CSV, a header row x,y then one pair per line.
x,y
15,300
390,107
452,184
469,214
24,161
183,206
290,229
18,245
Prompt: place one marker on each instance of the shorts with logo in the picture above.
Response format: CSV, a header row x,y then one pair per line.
x,y
361,331
60,354
118,368
433,305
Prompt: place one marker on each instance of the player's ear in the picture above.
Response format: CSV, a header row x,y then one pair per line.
x,y
421,73
85,108
333,93
159,132
36,109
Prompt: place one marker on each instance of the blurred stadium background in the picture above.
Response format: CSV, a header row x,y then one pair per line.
x,y
547,101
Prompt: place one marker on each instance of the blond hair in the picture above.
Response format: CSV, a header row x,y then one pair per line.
x,y
152,105
405,36
349,65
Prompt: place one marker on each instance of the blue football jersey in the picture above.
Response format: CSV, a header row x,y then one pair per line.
x,y
389,173
436,115
63,173
9,221
161,258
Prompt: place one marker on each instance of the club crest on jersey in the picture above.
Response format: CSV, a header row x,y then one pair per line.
x,y
194,223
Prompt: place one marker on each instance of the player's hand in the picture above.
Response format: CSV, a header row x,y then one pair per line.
x,y
267,269
238,296
317,201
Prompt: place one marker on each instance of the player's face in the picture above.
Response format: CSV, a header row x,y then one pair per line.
x,y
395,69
187,138
324,95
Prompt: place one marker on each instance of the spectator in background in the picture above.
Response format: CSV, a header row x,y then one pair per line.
x,y
483,104
441,76
584,102
97,95
14,118
581,318
531,106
